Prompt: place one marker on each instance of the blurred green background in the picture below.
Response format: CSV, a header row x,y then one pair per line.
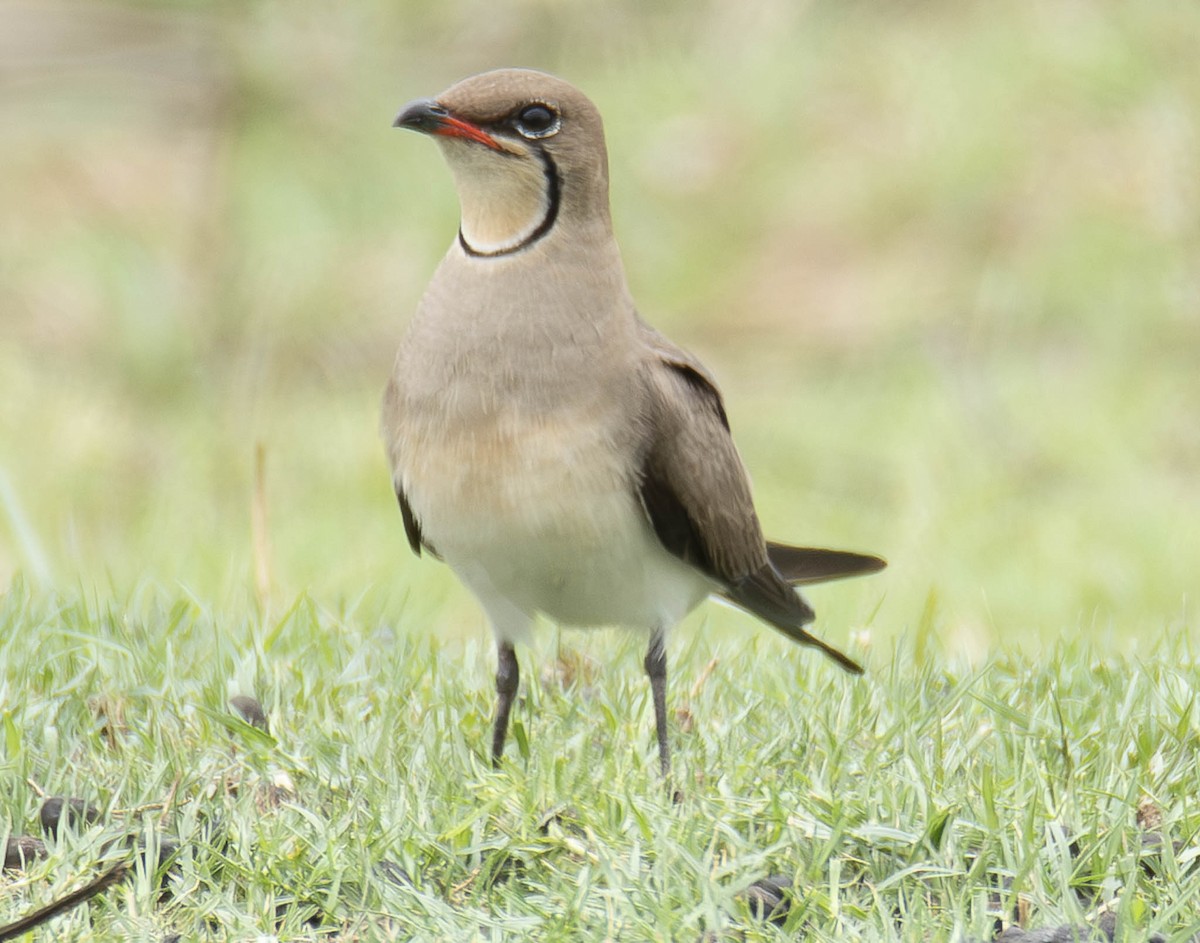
x,y
944,258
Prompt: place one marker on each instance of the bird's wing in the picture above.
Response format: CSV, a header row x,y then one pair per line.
x,y
696,494
412,525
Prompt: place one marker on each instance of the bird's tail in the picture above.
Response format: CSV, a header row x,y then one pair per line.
x,y
769,596
802,566
805,638
766,595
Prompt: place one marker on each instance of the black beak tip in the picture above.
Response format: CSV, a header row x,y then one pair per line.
x,y
422,115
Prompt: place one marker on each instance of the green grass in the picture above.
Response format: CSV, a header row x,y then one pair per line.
x,y
943,260
896,803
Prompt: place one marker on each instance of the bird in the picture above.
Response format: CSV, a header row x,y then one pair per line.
x,y
559,454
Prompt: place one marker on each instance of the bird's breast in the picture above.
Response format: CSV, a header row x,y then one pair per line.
x,y
547,509
513,474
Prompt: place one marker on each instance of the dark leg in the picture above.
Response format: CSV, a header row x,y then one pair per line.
x,y
507,678
656,668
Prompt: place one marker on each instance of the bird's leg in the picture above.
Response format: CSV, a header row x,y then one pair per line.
x,y
507,678
656,668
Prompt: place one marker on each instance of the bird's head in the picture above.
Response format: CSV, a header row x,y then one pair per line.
x,y
527,153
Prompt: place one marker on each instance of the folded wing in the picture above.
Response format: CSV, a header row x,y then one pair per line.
x,y
696,494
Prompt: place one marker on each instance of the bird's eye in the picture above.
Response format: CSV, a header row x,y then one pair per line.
x,y
536,121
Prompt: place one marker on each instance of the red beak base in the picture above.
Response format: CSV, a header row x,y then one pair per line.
x,y
429,117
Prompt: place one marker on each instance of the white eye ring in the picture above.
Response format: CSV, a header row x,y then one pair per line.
x,y
536,121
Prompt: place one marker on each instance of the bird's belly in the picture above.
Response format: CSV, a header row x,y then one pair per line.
x,y
624,578
547,515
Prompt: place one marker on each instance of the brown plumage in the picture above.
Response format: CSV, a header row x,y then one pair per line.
x,y
558,453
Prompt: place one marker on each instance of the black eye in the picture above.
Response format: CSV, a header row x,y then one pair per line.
x,y
536,121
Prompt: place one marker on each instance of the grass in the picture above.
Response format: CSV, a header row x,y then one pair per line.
x,y
943,259
918,803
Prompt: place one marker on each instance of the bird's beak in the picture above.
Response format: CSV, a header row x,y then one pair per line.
x,y
428,117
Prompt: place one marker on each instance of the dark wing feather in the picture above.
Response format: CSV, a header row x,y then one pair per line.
x,y
412,527
672,523
697,495
392,407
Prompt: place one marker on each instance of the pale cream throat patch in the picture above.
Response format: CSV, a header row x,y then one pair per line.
x,y
504,199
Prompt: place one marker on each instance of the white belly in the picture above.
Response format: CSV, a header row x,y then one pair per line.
x,y
545,516
624,577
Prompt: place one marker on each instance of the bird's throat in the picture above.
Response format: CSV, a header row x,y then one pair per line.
x,y
508,202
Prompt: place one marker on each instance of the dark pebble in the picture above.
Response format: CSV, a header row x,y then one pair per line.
x,y
58,811
1153,846
250,711
565,819
499,867
313,916
21,851
770,899
393,873
1104,931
